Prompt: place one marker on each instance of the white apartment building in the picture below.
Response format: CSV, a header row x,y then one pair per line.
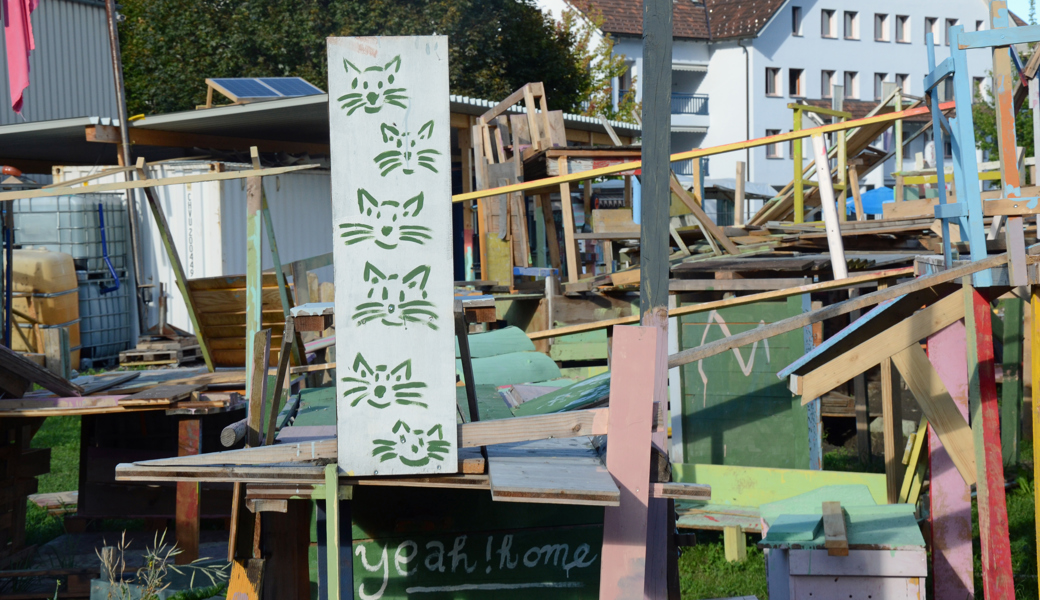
x,y
738,64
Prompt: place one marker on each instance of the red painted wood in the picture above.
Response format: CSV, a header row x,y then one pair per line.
x,y
623,570
997,579
189,442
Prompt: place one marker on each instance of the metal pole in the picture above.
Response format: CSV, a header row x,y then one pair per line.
x,y
125,155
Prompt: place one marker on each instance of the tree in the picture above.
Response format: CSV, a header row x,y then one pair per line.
x,y
495,46
984,117
603,66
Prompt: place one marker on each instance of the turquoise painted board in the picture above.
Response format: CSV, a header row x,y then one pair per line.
x,y
317,407
506,369
459,544
497,341
735,409
489,402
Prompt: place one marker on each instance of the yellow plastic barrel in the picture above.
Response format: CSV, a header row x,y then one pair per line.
x,y
45,290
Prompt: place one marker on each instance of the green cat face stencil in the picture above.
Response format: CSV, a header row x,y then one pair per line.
x,y
408,151
413,447
372,88
395,300
381,386
384,223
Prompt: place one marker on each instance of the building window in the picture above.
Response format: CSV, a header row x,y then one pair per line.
x,y
950,23
980,25
828,27
772,81
826,84
976,86
879,85
902,29
880,28
795,83
851,25
796,21
903,81
931,25
851,85
773,150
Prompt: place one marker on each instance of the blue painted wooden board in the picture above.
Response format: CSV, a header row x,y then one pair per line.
x,y
572,397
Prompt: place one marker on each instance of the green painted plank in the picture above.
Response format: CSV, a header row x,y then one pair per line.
x,y
496,342
317,407
489,402
572,397
1011,389
795,528
755,486
736,411
517,367
811,502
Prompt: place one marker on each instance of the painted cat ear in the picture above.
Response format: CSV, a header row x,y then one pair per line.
x,y
373,274
417,201
360,361
362,195
389,129
407,366
436,430
426,131
395,63
401,425
423,270
347,66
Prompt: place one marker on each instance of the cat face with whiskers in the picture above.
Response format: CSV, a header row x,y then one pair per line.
x,y
372,88
385,222
395,300
381,386
413,447
408,150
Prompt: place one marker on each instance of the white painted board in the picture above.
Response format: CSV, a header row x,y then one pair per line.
x,y
391,216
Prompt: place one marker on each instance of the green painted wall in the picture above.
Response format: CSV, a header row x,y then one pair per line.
x,y
735,418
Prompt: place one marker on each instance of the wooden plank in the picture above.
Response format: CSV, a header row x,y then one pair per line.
x,y
257,391
622,572
570,246
187,521
279,380
707,225
836,540
162,394
148,183
735,544
1034,346
892,406
997,578
938,407
949,495
26,369
247,578
556,471
681,491
1011,387
394,294
734,285
702,152
883,345
737,301
914,466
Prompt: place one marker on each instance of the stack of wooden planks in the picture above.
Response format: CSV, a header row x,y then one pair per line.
x,y
221,306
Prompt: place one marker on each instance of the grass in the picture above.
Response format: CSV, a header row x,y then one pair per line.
x,y
704,572
61,435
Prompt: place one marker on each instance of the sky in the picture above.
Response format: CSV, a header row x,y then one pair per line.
x,y
1020,8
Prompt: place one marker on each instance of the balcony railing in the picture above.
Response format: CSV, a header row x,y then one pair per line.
x,y
689,104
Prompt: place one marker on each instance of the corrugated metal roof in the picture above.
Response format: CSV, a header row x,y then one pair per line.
x,y
70,69
307,119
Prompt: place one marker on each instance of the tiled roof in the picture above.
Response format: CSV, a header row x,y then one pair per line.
x,y
740,18
695,19
625,17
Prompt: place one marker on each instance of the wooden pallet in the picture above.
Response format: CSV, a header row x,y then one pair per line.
x,y
145,356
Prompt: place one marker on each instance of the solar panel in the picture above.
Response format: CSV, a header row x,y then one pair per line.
x,y
291,86
245,88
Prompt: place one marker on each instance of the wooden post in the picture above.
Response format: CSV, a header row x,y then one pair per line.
x,y
257,380
590,263
799,186
189,443
1011,388
892,422
332,541
859,386
552,241
1034,335
837,103
854,182
56,351
997,579
254,271
283,285
738,195
899,193
466,150
950,497
653,297
830,215
569,243
698,182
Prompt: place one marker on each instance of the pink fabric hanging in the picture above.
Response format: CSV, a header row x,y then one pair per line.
x,y
18,34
